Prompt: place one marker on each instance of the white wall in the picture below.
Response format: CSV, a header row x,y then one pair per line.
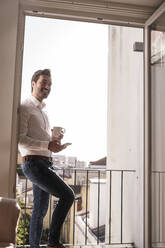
x,y
97,200
80,232
8,37
125,132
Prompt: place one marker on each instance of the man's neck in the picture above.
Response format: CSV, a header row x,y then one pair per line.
x,y
40,100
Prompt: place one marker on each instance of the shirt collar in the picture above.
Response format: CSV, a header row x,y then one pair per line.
x,y
37,103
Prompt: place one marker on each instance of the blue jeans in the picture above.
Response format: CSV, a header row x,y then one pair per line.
x,y
45,182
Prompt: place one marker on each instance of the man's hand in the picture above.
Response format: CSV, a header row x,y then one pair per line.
x,y
55,146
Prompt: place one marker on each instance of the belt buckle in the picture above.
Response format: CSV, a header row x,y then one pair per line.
x,y
24,159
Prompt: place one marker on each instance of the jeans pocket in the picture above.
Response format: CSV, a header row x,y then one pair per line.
x,y
30,169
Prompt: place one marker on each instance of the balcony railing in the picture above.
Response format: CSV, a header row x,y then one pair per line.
x,y
90,221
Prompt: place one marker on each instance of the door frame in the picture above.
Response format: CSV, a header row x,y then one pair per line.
x,y
63,11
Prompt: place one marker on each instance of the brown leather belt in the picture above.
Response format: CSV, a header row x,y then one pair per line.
x,y
36,157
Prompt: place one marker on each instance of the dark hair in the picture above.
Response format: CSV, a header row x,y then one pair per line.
x,y
38,73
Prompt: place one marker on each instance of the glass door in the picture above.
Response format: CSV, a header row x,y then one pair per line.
x,y
157,75
155,130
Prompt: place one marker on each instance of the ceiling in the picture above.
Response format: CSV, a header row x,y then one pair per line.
x,y
149,3
119,12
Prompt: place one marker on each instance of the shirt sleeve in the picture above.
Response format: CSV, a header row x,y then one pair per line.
x,y
24,140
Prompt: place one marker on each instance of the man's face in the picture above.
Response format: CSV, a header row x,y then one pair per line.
x,y
42,87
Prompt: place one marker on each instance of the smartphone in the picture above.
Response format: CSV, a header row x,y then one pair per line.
x,y
68,144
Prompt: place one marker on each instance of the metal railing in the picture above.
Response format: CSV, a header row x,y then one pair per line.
x,y
83,225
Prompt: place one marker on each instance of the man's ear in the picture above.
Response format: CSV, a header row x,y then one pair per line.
x,y
32,84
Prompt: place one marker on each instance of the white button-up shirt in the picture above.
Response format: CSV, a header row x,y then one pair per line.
x,y
34,129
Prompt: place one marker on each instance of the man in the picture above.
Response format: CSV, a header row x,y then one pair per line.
x,y
35,146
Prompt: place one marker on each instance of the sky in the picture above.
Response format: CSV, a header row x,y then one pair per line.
x,y
77,54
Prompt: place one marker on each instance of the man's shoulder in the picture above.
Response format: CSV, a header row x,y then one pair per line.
x,y
26,104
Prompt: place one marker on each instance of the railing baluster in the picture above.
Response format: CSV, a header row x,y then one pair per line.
x,y
74,210
26,181
159,205
98,212
110,210
50,210
121,207
86,208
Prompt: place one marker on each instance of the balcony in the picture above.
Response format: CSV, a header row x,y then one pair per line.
x,y
91,220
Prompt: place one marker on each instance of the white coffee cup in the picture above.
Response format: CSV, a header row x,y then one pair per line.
x,y
57,131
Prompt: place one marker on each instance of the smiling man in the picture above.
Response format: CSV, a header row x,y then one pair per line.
x,y
36,146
